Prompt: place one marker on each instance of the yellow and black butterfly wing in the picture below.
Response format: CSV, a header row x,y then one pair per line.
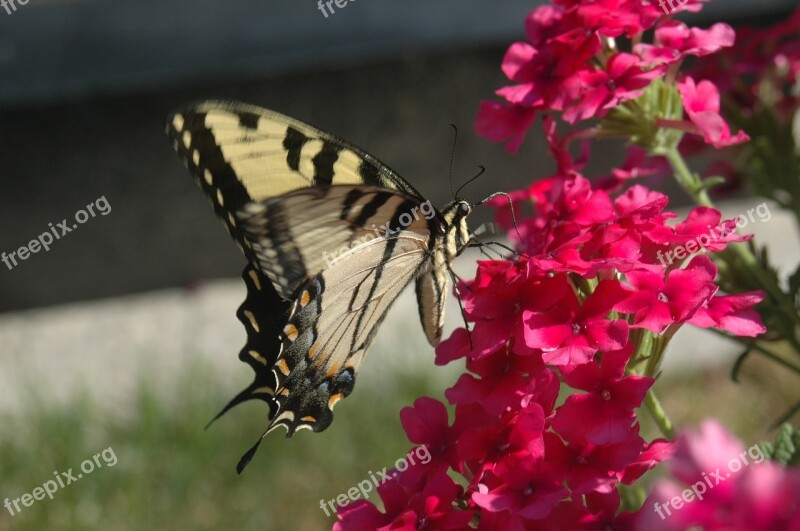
x,y
336,313
332,323
295,198
264,314
240,153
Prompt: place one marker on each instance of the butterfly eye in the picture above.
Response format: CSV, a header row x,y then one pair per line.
x,y
465,208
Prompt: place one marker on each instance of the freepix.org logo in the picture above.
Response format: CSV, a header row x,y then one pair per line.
x,y
55,232
11,5
420,454
708,481
714,235
322,4
61,481
673,5
384,231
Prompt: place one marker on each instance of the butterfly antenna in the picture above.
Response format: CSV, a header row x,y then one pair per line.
x,y
453,157
511,204
455,279
482,170
509,249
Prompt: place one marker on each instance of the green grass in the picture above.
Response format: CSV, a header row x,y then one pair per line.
x,y
171,474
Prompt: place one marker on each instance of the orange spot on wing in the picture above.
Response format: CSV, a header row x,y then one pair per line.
x,y
290,331
283,367
334,399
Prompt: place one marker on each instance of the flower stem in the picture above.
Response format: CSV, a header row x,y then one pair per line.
x,y
689,181
658,414
692,184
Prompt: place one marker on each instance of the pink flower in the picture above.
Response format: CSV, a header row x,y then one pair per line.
x,y
543,24
503,381
496,301
694,41
594,92
653,454
539,77
432,508
362,515
592,467
638,163
520,485
659,302
705,225
613,18
427,424
732,313
729,487
603,415
676,41
701,102
572,333
504,123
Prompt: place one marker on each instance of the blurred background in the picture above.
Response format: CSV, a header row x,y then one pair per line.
x,y
123,334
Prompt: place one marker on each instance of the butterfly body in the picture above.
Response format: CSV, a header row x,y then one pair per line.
x,y
332,237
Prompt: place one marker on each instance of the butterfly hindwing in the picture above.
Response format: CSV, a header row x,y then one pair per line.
x,y
332,323
335,313
263,315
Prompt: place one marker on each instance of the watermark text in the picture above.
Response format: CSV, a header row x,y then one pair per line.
x,y
714,234
366,486
322,4
384,231
708,482
57,231
11,5
62,480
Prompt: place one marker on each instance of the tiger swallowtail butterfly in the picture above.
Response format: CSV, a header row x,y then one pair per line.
x,y
292,197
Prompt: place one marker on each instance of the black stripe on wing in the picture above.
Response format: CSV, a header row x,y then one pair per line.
x,y
295,136
214,175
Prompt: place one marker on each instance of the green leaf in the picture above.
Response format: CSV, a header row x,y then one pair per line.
x,y
737,367
786,448
768,449
710,182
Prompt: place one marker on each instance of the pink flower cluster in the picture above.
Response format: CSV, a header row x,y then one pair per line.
x,y
762,58
571,64
721,485
541,429
563,312
758,77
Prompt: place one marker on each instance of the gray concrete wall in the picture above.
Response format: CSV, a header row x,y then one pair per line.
x,y
51,49
85,87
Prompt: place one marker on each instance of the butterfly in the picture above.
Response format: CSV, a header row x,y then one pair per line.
x,y
332,236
